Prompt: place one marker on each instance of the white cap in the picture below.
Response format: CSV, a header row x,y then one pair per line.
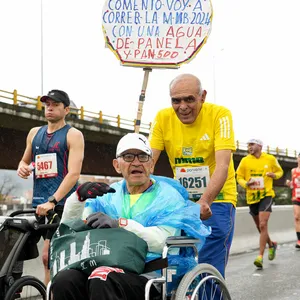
x,y
255,141
133,141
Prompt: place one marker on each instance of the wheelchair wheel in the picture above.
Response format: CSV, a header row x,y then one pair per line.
x,y
26,287
204,282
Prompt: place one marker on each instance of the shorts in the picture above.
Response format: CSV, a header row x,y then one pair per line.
x,y
265,204
48,233
296,202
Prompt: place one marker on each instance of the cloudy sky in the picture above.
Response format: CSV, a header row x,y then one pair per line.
x,y
252,47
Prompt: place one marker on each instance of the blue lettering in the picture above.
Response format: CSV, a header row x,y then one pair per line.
x,y
121,17
152,4
198,5
177,4
182,18
151,19
167,19
148,31
122,31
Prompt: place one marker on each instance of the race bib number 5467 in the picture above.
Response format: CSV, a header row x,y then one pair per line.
x,y
46,165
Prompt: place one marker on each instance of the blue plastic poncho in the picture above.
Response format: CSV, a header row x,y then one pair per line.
x,y
164,203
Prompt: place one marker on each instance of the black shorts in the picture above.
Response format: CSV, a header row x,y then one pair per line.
x,y
296,202
265,204
47,234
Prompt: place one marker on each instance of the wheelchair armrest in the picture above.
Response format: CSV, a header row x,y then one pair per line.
x,y
179,240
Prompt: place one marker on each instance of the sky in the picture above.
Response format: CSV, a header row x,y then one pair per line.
x,y
249,64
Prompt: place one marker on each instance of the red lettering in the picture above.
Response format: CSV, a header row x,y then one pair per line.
x,y
170,31
177,46
149,44
179,32
168,43
136,53
120,43
140,42
199,32
192,44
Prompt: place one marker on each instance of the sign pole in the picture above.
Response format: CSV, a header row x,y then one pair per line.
x,y
142,100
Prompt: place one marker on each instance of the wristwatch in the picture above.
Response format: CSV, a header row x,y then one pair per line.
x,y
123,222
52,199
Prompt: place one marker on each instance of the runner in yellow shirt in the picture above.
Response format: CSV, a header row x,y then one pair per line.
x,y
199,140
255,173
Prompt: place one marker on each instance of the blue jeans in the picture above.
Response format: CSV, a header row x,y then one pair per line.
x,y
216,248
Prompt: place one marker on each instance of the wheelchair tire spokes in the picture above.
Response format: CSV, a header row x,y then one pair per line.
x,y
203,282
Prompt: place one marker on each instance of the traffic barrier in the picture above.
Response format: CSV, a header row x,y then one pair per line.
x,y
280,226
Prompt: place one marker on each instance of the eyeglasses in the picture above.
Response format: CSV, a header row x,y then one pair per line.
x,y
130,157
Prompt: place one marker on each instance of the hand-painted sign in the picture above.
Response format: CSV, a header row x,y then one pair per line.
x,y
156,33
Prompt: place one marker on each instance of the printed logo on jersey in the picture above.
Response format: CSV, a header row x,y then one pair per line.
x,y
187,151
189,160
225,130
55,148
205,137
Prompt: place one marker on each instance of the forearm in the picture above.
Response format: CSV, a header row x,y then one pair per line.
x,y
155,236
215,185
66,185
278,174
23,163
242,182
73,208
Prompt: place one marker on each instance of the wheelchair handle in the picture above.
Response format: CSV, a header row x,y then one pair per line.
x,y
21,212
53,219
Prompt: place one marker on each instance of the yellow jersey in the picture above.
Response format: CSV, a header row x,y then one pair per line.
x,y
256,168
192,147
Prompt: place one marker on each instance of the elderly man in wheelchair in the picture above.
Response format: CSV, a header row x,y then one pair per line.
x,y
107,233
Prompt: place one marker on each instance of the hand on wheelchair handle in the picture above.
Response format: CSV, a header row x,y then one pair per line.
x,y
101,220
89,190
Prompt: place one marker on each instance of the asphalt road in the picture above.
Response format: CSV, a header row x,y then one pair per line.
x,y
278,280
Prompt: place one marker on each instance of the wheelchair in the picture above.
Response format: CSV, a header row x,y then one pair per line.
x,y
19,237
203,282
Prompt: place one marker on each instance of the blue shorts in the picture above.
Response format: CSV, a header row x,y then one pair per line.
x,y
216,248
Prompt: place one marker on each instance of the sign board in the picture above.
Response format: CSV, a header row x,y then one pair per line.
x,y
156,33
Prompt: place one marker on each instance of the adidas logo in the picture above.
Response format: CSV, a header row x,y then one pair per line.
x,y
205,137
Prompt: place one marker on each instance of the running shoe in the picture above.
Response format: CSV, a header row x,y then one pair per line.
x,y
297,245
259,262
272,251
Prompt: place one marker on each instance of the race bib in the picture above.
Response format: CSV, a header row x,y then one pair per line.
x,y
46,165
297,192
257,183
194,179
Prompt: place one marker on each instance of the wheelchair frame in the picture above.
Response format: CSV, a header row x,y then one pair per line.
x,y
210,274
8,285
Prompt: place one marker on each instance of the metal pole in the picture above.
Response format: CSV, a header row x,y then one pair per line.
x,y
141,100
42,52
